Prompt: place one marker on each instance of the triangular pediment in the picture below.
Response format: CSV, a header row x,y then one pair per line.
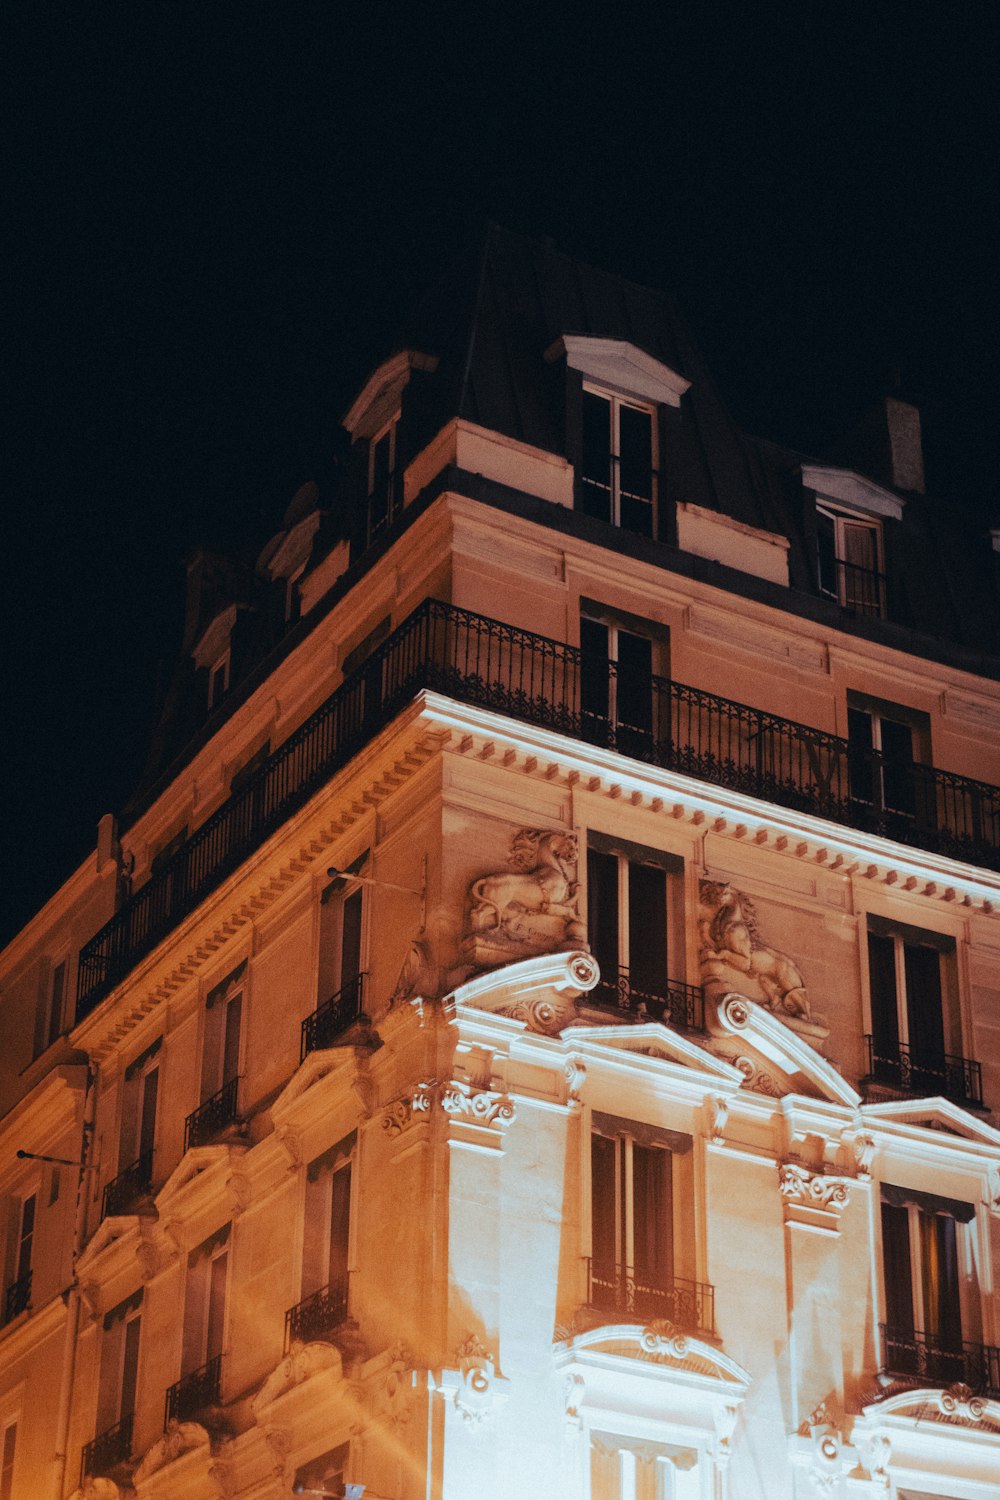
x,y
934,1114
193,1165
653,1039
771,1058
109,1232
314,1068
654,1344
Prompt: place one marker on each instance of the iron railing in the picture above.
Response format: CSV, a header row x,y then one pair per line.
x,y
107,1450
122,1191
204,1123
670,1000
959,1079
482,662
194,1392
317,1314
18,1297
330,1020
689,1305
908,1354
862,590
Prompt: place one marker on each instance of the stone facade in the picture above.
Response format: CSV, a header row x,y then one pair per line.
x,y
502,1120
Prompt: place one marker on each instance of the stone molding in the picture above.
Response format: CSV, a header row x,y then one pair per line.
x,y
453,1100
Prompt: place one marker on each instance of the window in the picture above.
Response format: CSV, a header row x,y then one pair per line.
x,y
327,1244
8,1449
914,1010
117,1383
641,1255
922,1243
621,701
49,1021
623,1468
205,1308
323,1473
19,1275
341,940
850,560
220,1061
137,1131
617,480
218,681
887,747
382,489
633,909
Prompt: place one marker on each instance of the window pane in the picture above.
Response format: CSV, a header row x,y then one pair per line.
x,y
231,1050
647,928
885,1014
924,1017
896,1268
897,763
148,1127
56,1006
635,469
130,1369
939,1261
595,475
602,913
340,1223
652,1227
594,677
603,1153
216,1329
635,687
827,549
860,768
350,945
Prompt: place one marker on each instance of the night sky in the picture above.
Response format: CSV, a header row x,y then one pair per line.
x,y
217,215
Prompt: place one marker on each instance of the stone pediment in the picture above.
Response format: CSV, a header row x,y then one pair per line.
x,y
542,991
654,1344
109,1232
313,1069
195,1167
956,1406
772,1058
653,1039
934,1114
302,1363
179,1438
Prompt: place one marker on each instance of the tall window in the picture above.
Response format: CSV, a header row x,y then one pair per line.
x,y
49,1024
641,1192
119,1371
623,1468
220,1065
850,562
140,1090
205,1302
911,975
22,1245
921,1244
8,1449
327,1243
617,481
620,703
340,941
632,898
382,488
887,745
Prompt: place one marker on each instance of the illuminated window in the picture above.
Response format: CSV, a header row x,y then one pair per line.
x,y
913,988
633,897
922,1243
617,478
624,1468
383,495
851,560
641,1190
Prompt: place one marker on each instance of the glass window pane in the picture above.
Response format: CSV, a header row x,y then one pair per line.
x,y
350,945
635,687
340,1223
925,1022
603,1154
595,471
602,913
130,1369
231,1049
827,549
896,1267
594,676
635,452
885,1015
860,767
647,927
215,1332
652,1227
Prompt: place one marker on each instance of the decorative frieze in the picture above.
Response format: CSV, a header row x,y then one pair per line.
x,y
797,1183
454,1100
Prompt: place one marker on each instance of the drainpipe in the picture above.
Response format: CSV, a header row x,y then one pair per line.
x,y
72,1293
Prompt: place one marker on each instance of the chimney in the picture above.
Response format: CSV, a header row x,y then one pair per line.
x,y
906,449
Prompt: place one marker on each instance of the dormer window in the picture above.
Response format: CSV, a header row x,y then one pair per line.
x,y
383,502
618,468
850,560
218,681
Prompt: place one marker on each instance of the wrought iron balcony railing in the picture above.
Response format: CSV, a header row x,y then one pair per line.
x,y
332,1019
18,1297
122,1191
318,1314
959,1079
194,1393
107,1450
670,1000
908,1354
862,590
205,1123
482,662
689,1305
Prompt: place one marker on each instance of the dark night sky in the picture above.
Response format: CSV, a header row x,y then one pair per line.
x,y
217,214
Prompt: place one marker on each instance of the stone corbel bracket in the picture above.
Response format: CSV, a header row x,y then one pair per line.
x,y
473,1388
813,1199
483,1113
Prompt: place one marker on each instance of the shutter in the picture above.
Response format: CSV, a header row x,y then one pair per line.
x,y
885,1015
603,1159
647,928
896,1271
652,1226
602,913
925,1021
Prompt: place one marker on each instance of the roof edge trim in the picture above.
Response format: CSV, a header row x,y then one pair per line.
x,y
621,365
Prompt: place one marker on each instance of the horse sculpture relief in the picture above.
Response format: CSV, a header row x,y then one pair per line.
x,y
532,909
731,947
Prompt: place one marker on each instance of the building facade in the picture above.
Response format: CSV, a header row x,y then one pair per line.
x,y
534,1030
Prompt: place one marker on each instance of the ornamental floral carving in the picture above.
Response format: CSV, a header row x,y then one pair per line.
x,y
409,1108
959,1401
532,908
799,1184
661,1337
479,1108
475,1391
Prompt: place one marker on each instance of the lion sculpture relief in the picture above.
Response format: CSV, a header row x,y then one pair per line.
x,y
532,909
729,938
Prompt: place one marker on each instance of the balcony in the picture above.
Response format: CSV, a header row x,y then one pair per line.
x,y
862,590
107,1451
135,1182
216,1114
677,1004
916,1358
18,1297
318,1315
329,1022
959,1079
480,662
194,1393
689,1305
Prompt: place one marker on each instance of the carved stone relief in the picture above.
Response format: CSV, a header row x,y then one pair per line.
x,y
180,1437
734,956
475,1391
533,908
798,1183
456,1100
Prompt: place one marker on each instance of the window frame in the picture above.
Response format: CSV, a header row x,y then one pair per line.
x,y
393,506
845,519
348,886
319,1184
951,1011
631,856
617,401
9,1425
966,1290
